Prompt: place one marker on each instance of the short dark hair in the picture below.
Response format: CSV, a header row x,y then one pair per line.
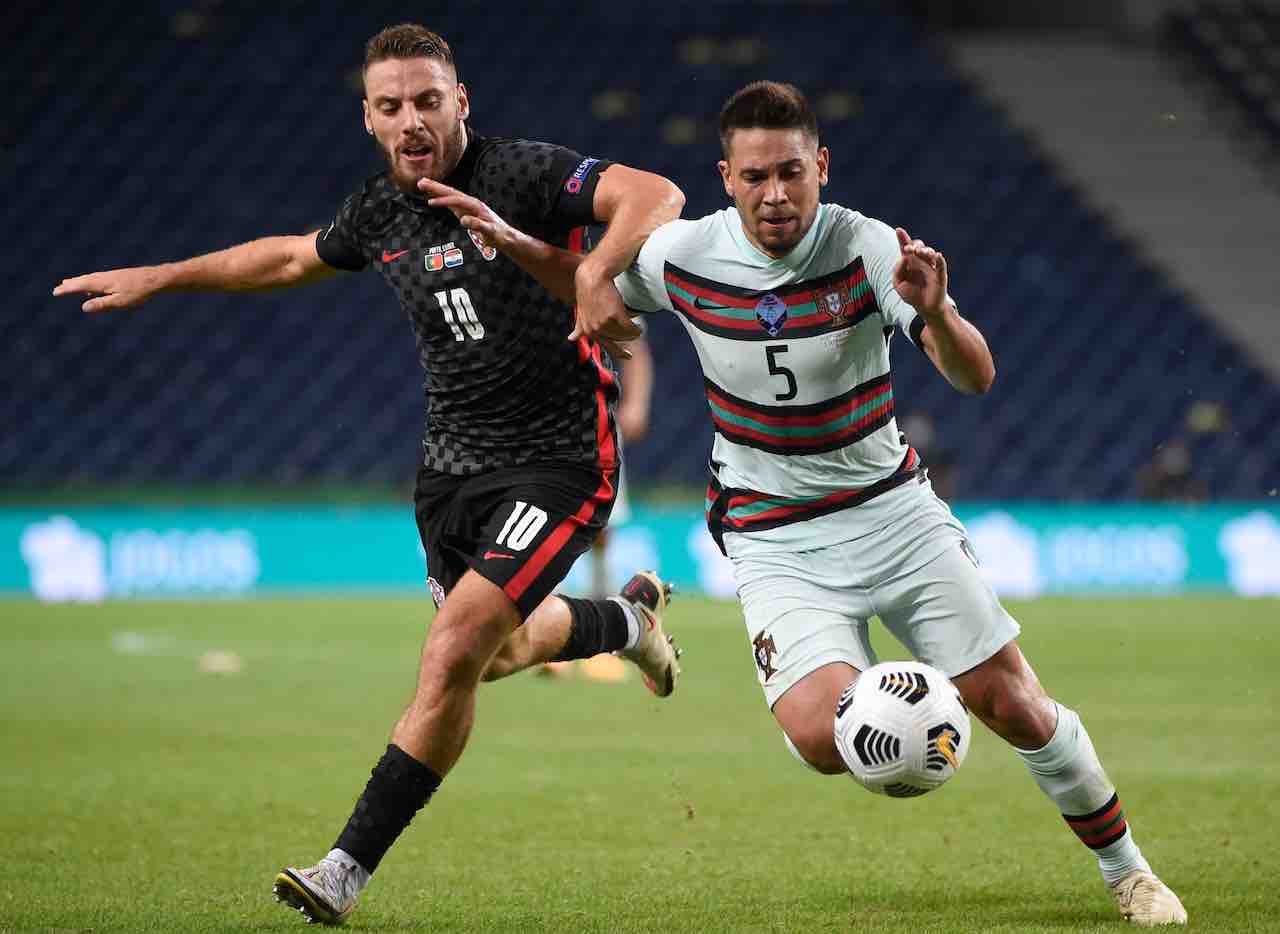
x,y
769,105
408,40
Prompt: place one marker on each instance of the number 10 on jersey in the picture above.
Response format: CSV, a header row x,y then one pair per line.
x,y
457,308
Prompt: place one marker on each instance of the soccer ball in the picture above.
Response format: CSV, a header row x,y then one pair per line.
x,y
902,729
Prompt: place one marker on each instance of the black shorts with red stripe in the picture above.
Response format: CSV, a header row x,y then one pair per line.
x,y
519,527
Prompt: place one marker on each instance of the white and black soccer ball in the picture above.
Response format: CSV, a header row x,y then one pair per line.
x,y
902,729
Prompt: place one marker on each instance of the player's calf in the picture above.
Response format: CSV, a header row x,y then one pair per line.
x,y
565,629
515,654
1056,749
1005,694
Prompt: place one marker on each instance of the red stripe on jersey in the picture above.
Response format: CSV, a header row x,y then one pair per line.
x,y
552,544
729,430
787,420
608,450
607,453
606,460
736,324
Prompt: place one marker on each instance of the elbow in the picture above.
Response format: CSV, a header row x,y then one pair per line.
x,y
973,382
984,380
671,200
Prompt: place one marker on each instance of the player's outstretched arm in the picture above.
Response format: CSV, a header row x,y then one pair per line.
x,y
634,204
269,263
955,346
551,266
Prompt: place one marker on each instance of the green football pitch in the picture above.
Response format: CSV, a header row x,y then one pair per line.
x,y
141,793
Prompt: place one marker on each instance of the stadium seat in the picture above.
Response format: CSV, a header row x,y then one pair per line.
x,y
235,120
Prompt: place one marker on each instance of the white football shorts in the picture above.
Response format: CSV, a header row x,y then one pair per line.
x,y
919,575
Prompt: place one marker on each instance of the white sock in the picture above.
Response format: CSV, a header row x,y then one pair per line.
x,y
634,625
1067,770
359,874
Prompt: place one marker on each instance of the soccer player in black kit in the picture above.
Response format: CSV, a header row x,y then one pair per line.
x,y
520,453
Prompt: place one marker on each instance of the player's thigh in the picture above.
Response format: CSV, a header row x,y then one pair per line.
x,y
469,629
519,528
801,614
445,527
541,521
945,613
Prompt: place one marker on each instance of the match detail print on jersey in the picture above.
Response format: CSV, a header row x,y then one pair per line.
x,y
832,302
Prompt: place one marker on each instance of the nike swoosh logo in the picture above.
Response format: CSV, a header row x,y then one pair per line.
x,y
389,257
700,304
498,554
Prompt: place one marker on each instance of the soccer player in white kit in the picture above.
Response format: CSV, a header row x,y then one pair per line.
x,y
824,509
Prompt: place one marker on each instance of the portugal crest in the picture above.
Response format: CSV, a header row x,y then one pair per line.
x,y
834,303
765,650
771,312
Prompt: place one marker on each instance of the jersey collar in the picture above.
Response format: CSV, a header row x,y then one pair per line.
x,y
460,177
794,260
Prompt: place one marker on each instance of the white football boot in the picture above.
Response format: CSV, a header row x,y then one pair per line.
x,y
1147,902
655,655
324,893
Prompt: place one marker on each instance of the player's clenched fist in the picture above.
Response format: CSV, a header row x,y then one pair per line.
x,y
115,288
920,276
600,313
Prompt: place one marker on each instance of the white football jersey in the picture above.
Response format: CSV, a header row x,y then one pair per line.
x,y
795,360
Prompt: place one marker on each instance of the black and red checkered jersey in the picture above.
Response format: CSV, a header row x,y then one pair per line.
x,y
504,387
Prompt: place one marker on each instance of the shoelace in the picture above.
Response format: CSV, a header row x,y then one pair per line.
x,y
336,879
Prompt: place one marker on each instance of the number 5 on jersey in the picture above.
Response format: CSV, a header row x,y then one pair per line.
x,y
457,307
521,527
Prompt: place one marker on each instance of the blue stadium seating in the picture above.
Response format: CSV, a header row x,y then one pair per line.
x,y
1237,46
150,135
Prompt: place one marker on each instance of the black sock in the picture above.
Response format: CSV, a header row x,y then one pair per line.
x,y
598,626
398,788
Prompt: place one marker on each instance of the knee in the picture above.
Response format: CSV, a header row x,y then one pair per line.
x,y
816,748
499,667
460,650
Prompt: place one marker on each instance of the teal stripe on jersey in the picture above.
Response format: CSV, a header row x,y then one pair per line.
x,y
723,311
804,431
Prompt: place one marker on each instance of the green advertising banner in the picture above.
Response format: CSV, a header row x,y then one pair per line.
x,y
1025,550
